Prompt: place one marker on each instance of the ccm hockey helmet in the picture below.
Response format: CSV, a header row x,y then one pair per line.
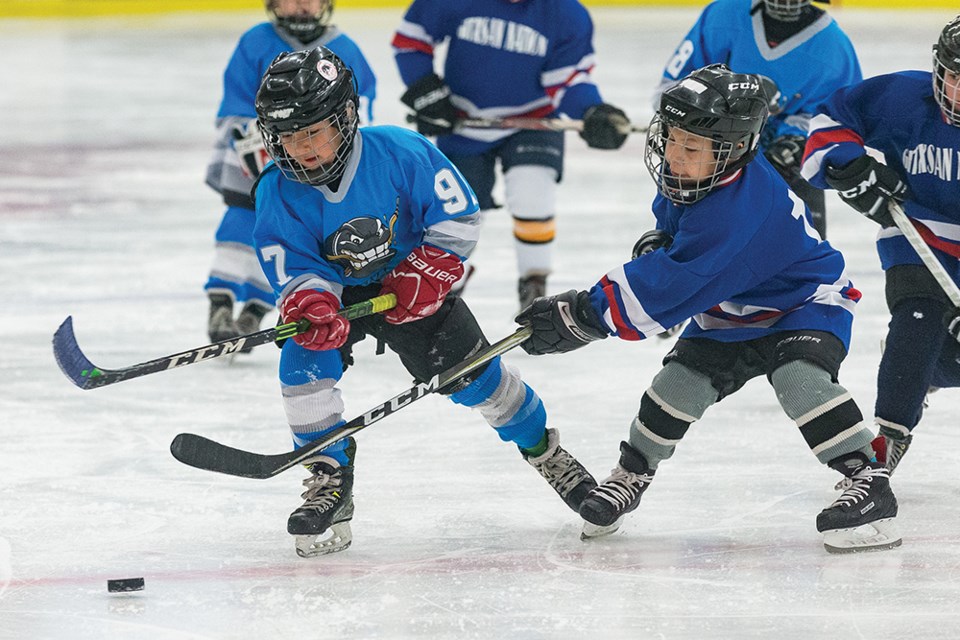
x,y
304,27
785,10
728,109
308,97
946,60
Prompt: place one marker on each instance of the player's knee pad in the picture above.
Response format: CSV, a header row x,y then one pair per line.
x,y
827,415
531,193
678,397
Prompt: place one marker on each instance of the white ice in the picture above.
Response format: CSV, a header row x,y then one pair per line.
x,y
106,127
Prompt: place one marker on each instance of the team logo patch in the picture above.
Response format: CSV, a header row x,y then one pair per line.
x,y
327,70
362,245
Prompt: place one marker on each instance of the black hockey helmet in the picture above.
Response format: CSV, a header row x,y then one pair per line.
x,y
299,90
785,10
946,59
713,102
305,27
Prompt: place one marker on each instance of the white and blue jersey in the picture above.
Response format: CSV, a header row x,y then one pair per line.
x,y
807,67
530,58
253,54
898,115
397,192
744,263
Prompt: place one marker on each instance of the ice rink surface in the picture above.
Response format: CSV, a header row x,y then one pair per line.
x,y
107,126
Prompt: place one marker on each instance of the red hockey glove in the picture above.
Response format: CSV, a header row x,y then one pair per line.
x,y
328,330
421,282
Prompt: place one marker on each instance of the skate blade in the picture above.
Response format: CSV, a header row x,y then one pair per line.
x,y
875,536
591,531
339,538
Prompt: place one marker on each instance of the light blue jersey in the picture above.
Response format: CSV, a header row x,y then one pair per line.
x,y
807,67
397,192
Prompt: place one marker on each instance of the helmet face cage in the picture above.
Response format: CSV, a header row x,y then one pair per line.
x,y
307,115
304,27
946,72
785,10
708,168
708,126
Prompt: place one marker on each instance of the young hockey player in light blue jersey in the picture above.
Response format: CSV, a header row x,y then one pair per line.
x,y
913,119
766,296
239,156
797,46
530,58
345,214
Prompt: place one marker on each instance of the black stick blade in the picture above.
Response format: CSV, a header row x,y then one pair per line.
x,y
203,453
76,366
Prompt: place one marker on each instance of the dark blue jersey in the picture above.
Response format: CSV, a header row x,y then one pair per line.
x,y
897,115
503,59
744,263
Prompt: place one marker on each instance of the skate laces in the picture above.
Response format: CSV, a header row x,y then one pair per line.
x,y
895,451
623,487
323,490
856,487
562,471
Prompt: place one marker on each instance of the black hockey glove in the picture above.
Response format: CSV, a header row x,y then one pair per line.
x,y
605,127
560,323
651,241
786,154
951,319
868,186
429,98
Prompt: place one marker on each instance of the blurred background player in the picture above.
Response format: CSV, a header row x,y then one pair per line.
x,y
239,156
346,214
913,119
800,48
766,297
530,58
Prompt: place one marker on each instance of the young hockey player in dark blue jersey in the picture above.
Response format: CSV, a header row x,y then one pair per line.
x,y
348,213
765,294
800,48
913,119
239,156
530,58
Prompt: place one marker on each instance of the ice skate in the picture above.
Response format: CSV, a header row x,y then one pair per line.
x,y
890,447
529,288
249,321
220,325
863,518
562,471
605,506
327,508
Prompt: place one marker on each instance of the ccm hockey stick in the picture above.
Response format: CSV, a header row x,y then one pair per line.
x,y
86,375
203,453
923,250
532,124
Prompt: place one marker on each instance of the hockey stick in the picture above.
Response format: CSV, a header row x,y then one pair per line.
x,y
203,453
923,250
86,375
532,124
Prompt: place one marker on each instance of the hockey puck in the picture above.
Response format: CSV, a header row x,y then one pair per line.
x,y
124,585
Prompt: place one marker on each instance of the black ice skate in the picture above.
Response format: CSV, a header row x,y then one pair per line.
x,y
890,446
562,471
530,288
604,508
249,321
220,325
328,505
863,518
